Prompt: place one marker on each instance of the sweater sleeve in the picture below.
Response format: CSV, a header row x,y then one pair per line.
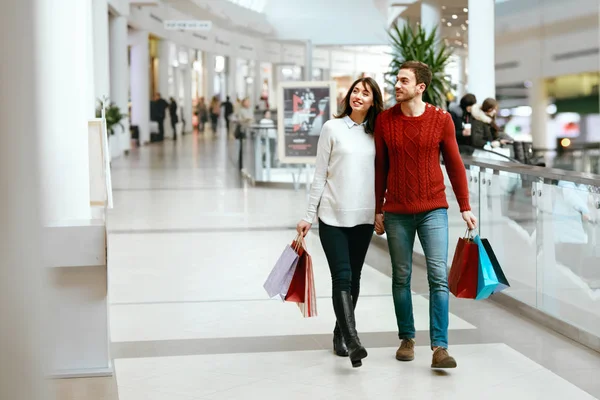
x,y
382,165
324,148
455,166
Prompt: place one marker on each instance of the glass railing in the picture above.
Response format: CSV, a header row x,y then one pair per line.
x,y
543,225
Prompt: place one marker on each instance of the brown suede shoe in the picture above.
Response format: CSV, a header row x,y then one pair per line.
x,y
406,352
441,359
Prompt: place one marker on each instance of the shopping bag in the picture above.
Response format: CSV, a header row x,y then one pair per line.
x,y
279,280
463,276
487,281
302,289
297,289
502,281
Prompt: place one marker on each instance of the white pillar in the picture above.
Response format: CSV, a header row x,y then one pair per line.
x,y
140,84
482,72
308,59
119,76
462,74
20,244
542,137
164,61
232,89
431,16
66,106
101,51
187,96
209,76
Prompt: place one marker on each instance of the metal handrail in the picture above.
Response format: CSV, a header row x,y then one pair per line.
x,y
539,172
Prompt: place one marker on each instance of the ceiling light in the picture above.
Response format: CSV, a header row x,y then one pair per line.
x,y
458,34
464,28
467,22
443,19
454,16
449,23
465,46
443,7
465,9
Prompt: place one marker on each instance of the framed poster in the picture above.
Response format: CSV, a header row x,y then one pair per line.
x,y
302,109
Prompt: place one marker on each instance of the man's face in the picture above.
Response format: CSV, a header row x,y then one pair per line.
x,y
407,87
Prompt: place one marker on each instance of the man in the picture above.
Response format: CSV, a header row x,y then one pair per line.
x,y
228,109
408,139
158,111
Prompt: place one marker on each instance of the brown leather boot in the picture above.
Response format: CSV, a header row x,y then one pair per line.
x,y
406,351
441,359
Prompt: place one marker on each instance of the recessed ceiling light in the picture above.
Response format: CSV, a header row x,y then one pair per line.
x,y
464,28
443,19
449,23
467,22
454,16
465,45
443,7
458,34
465,9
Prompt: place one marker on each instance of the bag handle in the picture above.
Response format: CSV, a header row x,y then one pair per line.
x,y
469,234
298,242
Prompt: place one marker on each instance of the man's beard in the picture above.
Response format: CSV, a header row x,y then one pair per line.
x,y
406,96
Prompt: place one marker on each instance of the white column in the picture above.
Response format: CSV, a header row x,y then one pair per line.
x,y
462,74
119,76
187,96
543,138
66,106
209,76
431,16
163,80
231,80
308,58
140,84
101,51
482,72
20,244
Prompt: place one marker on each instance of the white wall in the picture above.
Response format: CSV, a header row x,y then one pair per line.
x,y
331,22
553,36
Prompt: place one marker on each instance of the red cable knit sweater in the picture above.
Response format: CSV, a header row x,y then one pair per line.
x,y
407,162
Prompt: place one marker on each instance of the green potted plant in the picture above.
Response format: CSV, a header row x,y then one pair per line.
x,y
417,44
113,115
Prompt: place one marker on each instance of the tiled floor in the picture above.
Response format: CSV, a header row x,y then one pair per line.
x,y
190,246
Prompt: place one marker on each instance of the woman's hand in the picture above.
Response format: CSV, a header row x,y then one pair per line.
x,y
303,227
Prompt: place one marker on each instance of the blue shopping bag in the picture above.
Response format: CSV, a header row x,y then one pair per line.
x,y
487,281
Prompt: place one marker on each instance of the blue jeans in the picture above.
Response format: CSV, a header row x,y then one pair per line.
x,y
432,228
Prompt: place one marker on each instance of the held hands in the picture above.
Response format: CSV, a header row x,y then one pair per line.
x,y
379,226
303,227
470,219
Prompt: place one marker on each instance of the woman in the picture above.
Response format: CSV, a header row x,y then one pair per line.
x,y
215,111
343,198
173,116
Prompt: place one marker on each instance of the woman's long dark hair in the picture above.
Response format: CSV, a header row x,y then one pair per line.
x,y
375,109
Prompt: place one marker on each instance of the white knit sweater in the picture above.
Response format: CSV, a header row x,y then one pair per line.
x,y
343,188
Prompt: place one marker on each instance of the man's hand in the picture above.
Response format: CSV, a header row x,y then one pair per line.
x,y
379,226
470,219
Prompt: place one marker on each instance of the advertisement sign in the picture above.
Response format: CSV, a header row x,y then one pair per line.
x,y
302,110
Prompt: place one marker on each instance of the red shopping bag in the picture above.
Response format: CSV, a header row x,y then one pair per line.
x,y
463,277
302,288
297,291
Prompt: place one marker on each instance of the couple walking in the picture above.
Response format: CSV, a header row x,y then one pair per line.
x,y
379,170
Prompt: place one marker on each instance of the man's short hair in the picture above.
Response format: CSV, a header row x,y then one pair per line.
x,y
421,70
